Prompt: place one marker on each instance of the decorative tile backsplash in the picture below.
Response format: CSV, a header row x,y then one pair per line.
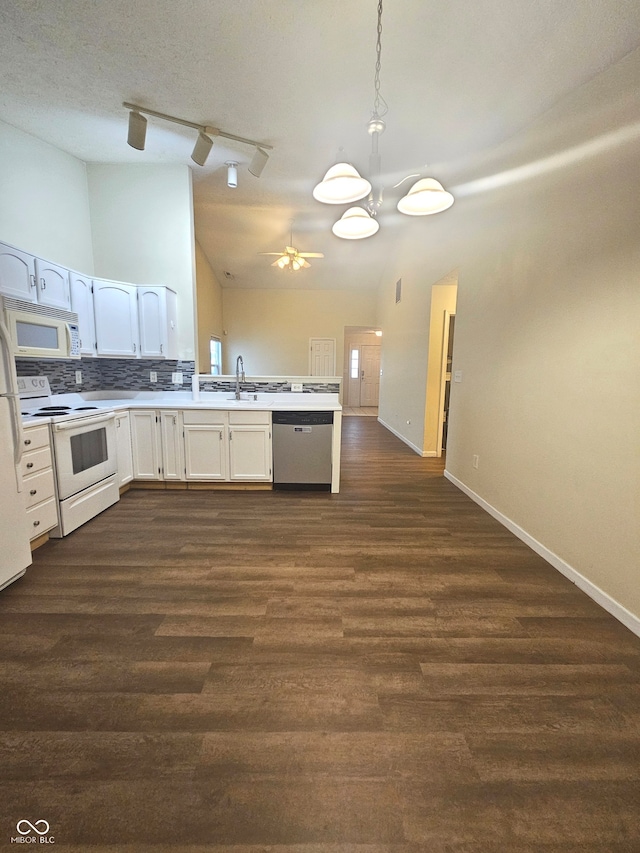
x,y
105,374
265,387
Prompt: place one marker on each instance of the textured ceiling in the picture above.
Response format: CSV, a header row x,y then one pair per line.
x,y
459,78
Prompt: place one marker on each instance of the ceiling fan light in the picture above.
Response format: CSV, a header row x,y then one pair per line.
x,y
137,130
283,262
355,224
341,185
425,196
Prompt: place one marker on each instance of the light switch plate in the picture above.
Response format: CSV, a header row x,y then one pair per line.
x,y
176,378
457,376
153,376
78,377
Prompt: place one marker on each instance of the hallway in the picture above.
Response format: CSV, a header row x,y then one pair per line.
x,y
383,670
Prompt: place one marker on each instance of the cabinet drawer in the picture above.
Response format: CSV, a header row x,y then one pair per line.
x,y
42,517
35,460
242,417
35,437
39,487
204,416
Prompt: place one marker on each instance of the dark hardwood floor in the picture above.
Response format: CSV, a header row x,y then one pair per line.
x,y
387,670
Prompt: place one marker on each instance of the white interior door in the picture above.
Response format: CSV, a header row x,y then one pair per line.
x,y
323,357
370,375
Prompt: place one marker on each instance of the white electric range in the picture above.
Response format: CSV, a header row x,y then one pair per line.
x,y
84,449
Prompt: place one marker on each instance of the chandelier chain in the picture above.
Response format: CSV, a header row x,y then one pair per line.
x,y
380,107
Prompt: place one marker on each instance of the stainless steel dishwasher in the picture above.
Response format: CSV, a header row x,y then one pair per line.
x,y
302,450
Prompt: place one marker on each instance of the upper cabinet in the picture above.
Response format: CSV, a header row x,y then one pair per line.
x,y
116,316
17,274
116,319
52,284
157,310
81,287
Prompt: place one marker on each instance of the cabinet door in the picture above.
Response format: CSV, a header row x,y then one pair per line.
x,y
172,446
82,304
123,448
116,315
17,274
250,453
145,445
52,285
205,449
152,316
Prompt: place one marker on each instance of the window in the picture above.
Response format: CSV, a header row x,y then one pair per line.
x,y
215,355
354,370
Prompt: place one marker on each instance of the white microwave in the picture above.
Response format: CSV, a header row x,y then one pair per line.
x,y
37,331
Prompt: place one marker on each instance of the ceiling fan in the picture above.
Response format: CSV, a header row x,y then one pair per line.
x,y
291,259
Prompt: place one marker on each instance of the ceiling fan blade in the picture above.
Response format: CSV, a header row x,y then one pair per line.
x,y
310,255
304,264
275,254
276,263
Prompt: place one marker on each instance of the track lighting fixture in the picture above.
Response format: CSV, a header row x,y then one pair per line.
x,y
204,142
342,184
137,130
232,174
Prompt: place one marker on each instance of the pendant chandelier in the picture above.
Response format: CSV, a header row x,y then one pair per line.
x,y
342,184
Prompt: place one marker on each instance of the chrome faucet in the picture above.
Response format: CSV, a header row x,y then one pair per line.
x,y
239,375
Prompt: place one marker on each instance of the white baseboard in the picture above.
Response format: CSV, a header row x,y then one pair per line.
x,y
415,448
630,620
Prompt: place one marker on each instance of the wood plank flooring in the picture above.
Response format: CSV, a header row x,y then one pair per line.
x,y
386,670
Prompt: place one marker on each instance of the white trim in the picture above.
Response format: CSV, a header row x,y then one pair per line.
x,y
628,619
414,447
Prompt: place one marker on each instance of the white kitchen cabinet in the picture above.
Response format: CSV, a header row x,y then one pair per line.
x,y
116,317
157,316
249,446
17,274
157,444
52,285
145,445
172,445
81,289
124,452
205,444
38,481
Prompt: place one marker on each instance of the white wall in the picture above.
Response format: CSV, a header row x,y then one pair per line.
x,y
44,200
271,328
547,334
208,309
443,299
142,226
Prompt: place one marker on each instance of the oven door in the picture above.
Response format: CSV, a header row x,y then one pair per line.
x,y
85,452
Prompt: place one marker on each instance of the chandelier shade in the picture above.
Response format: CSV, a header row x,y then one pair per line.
x,y
355,224
425,196
341,185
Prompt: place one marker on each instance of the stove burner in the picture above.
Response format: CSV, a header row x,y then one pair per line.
x,y
56,409
45,414
84,408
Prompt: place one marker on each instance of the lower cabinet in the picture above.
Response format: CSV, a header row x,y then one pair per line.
x,y
123,448
156,443
38,481
203,445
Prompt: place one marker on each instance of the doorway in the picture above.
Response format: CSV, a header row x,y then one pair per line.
x,y
363,348
444,294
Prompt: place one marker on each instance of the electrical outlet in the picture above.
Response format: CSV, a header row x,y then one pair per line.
x,y
78,377
476,460
176,378
153,376
296,386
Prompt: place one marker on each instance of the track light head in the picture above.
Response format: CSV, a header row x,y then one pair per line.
x,y
258,162
232,174
201,149
137,130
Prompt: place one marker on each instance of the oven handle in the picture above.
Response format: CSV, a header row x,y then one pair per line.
x,y
82,422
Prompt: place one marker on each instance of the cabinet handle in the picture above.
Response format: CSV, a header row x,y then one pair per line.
x,y
161,347
134,348
33,280
43,284
36,523
33,492
27,441
29,464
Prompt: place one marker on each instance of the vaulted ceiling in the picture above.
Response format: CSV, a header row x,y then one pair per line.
x,y
459,78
